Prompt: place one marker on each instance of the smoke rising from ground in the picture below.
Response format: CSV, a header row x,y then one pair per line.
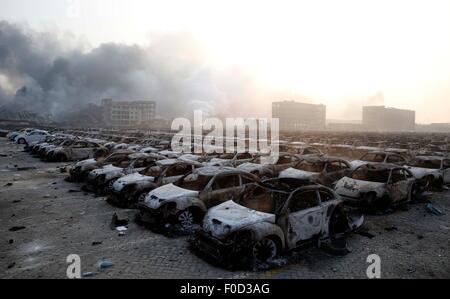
x,y
51,74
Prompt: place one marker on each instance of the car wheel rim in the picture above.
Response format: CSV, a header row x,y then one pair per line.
x,y
111,185
142,197
186,219
265,250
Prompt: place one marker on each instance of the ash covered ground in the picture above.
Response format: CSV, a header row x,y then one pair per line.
x,y
44,218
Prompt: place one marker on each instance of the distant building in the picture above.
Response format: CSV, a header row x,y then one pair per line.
x,y
384,119
296,116
132,113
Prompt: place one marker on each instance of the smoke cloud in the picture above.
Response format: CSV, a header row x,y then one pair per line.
x,y
55,75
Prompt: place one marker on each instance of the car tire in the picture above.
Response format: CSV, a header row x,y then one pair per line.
x,y
186,218
264,250
22,141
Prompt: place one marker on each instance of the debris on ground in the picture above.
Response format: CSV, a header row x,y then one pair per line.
x,y
74,191
26,168
17,201
8,184
11,265
17,228
96,243
104,264
365,234
433,210
11,241
116,222
391,228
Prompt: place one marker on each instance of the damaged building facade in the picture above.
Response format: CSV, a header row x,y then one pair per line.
x,y
295,116
128,113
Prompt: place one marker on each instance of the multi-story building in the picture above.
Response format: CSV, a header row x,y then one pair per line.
x,y
128,113
385,119
296,116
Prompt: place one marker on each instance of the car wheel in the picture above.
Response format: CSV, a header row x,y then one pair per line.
x,y
265,250
21,141
186,218
110,185
141,197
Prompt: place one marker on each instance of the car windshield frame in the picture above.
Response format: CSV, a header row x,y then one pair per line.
x,y
375,175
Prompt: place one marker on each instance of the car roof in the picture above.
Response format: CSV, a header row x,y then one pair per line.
x,y
214,170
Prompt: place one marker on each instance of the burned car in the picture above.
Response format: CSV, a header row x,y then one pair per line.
x,y
102,180
379,157
431,172
81,169
323,170
377,186
186,201
133,188
79,150
266,221
232,160
272,166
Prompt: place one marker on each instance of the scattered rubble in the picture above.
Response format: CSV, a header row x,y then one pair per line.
x,y
17,228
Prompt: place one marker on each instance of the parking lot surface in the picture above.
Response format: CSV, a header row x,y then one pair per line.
x,y
44,218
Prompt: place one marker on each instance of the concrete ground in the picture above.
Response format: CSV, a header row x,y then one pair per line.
x,y
50,219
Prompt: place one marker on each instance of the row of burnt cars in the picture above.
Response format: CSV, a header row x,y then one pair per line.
x,y
240,211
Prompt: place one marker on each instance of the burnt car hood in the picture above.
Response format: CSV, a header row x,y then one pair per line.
x,y
292,173
86,164
419,172
224,219
349,187
131,179
106,170
156,198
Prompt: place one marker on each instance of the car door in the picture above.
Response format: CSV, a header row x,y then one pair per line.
x,y
304,217
79,151
398,185
32,137
224,188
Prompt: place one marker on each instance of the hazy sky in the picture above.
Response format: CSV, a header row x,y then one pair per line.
x,y
340,53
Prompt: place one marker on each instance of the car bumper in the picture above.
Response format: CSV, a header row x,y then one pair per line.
x,y
150,216
120,199
212,247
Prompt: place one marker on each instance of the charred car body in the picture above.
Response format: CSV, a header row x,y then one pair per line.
x,y
266,221
431,172
379,157
323,170
186,201
101,180
79,150
377,186
133,188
